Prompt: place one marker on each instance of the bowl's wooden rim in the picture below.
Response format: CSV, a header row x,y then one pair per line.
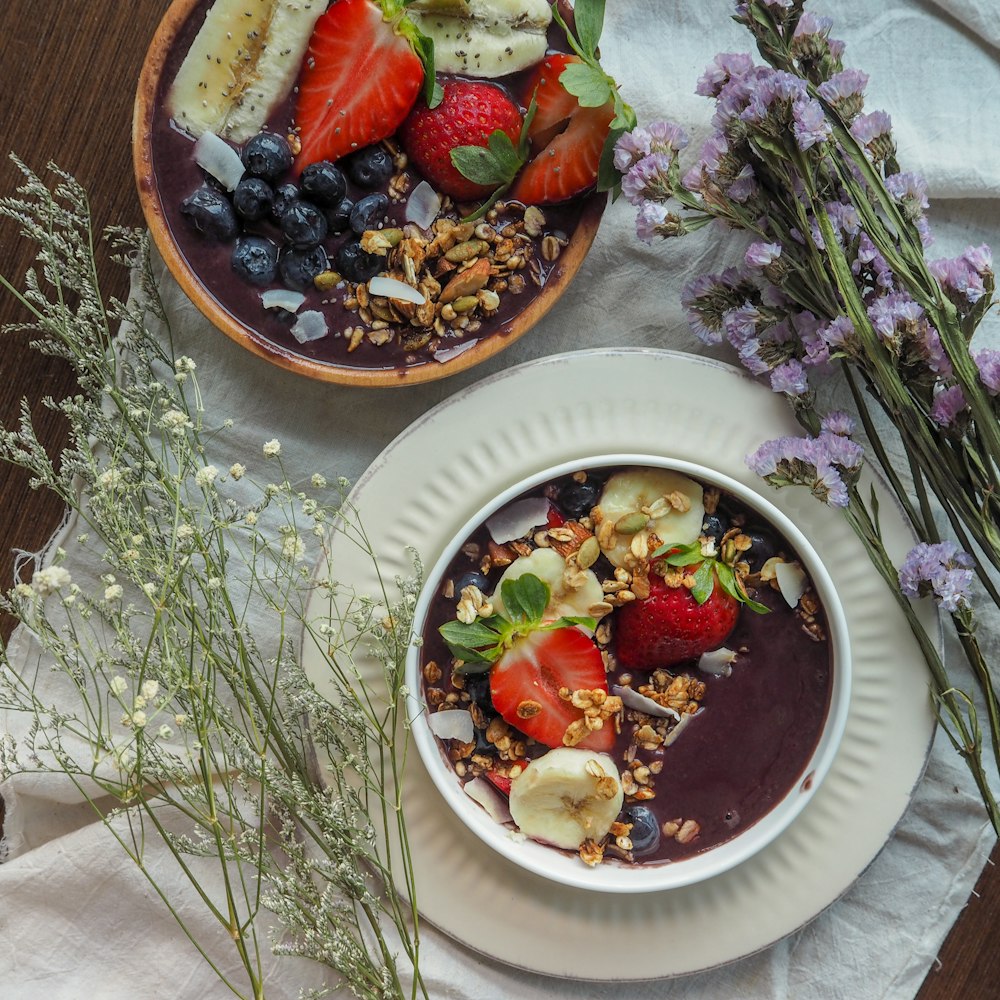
x,y
142,130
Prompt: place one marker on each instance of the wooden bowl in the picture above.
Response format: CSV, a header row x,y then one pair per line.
x,y
146,108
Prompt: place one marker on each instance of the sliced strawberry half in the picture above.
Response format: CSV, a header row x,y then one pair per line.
x,y
359,80
527,679
568,162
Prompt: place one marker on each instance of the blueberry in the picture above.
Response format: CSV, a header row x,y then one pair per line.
x,y
324,184
284,196
714,526
478,688
645,833
472,579
299,267
762,547
338,219
211,214
370,167
303,224
267,155
576,499
357,265
368,212
255,260
253,198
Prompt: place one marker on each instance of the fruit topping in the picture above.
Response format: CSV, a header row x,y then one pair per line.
x,y
640,506
282,298
484,38
324,184
672,625
576,596
210,213
468,115
355,264
303,224
644,832
242,64
576,500
255,260
567,163
338,220
267,155
369,168
359,80
253,199
368,212
567,798
283,197
299,267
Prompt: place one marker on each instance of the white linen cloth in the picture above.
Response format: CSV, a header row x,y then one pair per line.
x,y
77,920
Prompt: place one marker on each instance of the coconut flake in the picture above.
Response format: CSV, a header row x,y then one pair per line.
x,y
393,289
481,791
680,727
453,724
517,519
310,325
632,699
282,298
453,352
423,205
217,157
792,582
718,662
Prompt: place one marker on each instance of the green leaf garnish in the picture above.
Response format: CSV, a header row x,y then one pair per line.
x,y
704,581
481,643
588,83
588,15
708,570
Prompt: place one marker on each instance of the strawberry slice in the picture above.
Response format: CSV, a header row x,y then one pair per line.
x,y
359,80
568,162
528,677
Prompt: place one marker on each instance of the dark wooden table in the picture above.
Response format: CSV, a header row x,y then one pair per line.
x,y
67,74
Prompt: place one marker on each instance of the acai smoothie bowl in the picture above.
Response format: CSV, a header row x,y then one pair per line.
x,y
366,191
632,673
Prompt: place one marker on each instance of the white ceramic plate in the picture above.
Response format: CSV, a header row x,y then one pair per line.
x,y
435,475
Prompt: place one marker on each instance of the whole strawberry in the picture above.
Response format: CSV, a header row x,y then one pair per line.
x,y
468,114
670,626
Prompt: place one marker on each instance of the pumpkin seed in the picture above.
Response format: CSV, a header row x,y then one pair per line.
x,y
629,524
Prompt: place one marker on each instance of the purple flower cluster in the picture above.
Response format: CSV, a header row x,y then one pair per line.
x,y
988,363
943,570
828,464
967,278
947,405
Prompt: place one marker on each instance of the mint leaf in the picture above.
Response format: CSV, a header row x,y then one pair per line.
x,y
704,581
589,18
588,83
570,620
679,555
525,599
493,165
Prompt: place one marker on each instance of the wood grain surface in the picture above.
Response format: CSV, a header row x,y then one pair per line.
x,y
67,74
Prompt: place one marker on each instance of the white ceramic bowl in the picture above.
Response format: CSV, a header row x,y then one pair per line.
x,y
612,875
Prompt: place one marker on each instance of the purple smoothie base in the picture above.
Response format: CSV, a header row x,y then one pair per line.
x,y
176,176
757,730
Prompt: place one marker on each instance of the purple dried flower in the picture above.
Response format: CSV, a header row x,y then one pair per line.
x,y
947,406
712,151
839,332
830,486
894,316
841,451
709,297
845,91
813,24
630,148
988,363
838,422
724,67
801,461
809,124
649,180
660,137
651,215
790,378
964,279
910,190
932,351
874,132
760,254
810,331
744,185
844,218
869,257
943,570
749,353
741,323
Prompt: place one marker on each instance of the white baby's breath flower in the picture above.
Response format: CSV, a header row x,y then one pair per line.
x,y
139,719
149,588
49,580
184,532
114,592
206,475
175,420
69,600
165,732
110,479
140,701
251,518
214,583
184,364
180,719
293,547
150,689
319,481
272,448
118,685
309,507
24,590
228,422
237,471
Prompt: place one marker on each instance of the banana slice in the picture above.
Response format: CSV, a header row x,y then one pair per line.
x,y
484,38
645,502
242,63
566,797
574,591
